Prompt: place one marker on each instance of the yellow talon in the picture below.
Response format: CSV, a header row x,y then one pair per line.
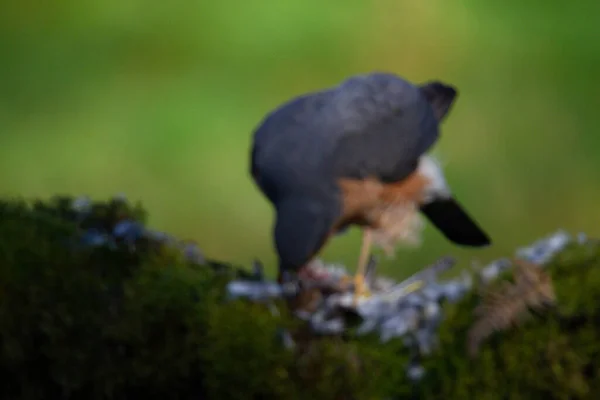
x,y
413,287
360,288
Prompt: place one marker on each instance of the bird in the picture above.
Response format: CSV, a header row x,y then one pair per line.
x,y
357,154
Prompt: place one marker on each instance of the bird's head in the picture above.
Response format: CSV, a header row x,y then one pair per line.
x,y
303,225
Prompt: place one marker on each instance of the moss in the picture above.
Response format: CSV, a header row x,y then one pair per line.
x,y
553,356
92,321
136,319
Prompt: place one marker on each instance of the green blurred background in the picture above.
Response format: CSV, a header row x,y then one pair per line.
x,y
158,100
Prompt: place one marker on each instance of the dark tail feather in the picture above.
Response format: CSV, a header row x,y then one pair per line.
x,y
441,97
449,217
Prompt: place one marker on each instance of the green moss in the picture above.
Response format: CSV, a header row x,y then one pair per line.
x,y
126,322
93,321
552,356
133,322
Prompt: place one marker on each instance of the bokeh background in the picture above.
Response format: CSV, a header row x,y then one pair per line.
x,y
158,100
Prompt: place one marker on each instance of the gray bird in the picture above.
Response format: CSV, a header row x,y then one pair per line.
x,y
354,155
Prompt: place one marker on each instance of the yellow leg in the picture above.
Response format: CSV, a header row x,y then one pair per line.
x,y
360,287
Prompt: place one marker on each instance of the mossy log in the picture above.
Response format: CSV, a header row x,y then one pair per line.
x,y
137,319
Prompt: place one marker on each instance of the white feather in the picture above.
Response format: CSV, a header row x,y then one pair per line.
x,y
431,169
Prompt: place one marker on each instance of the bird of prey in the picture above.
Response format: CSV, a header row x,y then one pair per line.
x,y
355,155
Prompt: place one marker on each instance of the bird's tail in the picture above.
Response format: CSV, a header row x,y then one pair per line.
x,y
453,221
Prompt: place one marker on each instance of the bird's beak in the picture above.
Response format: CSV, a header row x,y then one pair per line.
x,y
290,282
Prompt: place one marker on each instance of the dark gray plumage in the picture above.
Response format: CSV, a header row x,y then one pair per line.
x,y
374,125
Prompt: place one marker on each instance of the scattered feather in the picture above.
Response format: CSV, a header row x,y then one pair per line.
x,y
410,310
508,305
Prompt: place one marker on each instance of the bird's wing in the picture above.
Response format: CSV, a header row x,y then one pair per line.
x,y
288,148
388,151
376,125
386,130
